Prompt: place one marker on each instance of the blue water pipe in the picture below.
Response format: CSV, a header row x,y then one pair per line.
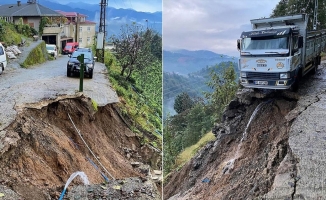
x,y
62,194
97,169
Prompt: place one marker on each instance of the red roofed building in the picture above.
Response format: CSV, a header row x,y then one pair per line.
x,y
85,29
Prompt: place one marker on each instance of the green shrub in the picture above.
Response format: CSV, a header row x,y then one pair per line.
x,y
94,104
120,91
36,56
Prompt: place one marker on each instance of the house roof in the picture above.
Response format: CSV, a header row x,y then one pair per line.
x,y
70,14
29,9
74,14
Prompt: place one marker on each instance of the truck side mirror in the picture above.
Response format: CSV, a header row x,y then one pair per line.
x,y
300,43
238,44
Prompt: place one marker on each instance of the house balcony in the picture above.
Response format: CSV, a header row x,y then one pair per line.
x,y
52,29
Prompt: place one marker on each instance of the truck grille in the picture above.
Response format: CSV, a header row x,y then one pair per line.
x,y
263,76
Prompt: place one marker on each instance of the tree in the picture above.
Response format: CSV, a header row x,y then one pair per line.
x,y
290,7
182,102
133,48
224,88
169,150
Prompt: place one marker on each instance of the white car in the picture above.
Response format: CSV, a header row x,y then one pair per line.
x,y
3,59
52,50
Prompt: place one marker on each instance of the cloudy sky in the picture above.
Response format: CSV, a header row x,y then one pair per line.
x,y
213,25
139,5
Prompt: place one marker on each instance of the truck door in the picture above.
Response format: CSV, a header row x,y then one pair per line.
x,y
295,52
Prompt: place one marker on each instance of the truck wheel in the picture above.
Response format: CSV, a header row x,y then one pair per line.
x,y
1,70
91,74
295,85
314,70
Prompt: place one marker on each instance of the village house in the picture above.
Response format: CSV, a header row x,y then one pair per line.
x,y
58,32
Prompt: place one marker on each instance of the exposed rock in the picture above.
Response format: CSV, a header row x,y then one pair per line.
x,y
245,96
130,188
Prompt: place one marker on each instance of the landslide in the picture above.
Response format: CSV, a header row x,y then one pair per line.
x,y
41,148
250,150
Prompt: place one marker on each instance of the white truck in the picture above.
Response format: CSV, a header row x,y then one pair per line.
x,y
278,51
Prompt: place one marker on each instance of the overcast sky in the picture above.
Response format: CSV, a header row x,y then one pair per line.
x,y
139,5
213,25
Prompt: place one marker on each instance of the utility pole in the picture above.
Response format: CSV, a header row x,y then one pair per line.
x,y
77,29
315,16
101,33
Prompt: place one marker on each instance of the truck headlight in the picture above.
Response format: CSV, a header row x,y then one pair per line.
x,y
284,75
243,74
89,65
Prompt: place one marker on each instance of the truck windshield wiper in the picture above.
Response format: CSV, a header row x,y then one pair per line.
x,y
246,52
271,52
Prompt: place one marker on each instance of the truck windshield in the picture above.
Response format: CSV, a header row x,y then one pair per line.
x,y
260,43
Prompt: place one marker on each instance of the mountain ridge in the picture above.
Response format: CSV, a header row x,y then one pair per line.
x,y
115,17
184,61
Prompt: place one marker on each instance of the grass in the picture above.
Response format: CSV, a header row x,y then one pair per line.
x,y
189,152
94,104
132,104
36,56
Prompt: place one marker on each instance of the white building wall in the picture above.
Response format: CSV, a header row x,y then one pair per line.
x,y
86,35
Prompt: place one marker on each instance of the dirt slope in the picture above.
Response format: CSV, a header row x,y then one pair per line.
x,y
41,148
256,157
280,156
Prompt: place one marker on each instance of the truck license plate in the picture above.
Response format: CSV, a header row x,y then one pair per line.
x,y
261,82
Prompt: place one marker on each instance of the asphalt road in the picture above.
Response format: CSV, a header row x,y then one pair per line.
x,y
19,86
307,141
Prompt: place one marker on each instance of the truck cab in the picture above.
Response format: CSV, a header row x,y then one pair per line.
x,y
277,52
266,56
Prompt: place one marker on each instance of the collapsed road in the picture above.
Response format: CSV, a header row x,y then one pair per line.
x,y
48,81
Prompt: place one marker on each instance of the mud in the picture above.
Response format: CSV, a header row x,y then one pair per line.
x,y
41,148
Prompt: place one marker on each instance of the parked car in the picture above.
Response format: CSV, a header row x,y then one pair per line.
x,y
52,50
73,65
3,59
83,49
70,47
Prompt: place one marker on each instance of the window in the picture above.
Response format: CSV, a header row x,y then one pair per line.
x,y
88,28
88,39
264,43
80,40
80,29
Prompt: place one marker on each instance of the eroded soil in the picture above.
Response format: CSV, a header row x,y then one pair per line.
x,y
41,148
281,157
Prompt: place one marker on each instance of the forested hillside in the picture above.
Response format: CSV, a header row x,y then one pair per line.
x,y
197,110
194,84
